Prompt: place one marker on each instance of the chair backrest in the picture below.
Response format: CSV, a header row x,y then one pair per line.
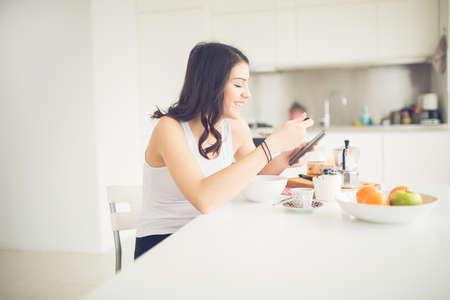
x,y
124,194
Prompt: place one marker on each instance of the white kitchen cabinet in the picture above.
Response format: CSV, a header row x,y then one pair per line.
x,y
235,6
416,157
164,42
145,6
407,28
286,39
336,33
253,33
395,157
371,157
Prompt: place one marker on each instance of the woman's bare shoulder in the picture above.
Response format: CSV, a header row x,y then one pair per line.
x,y
167,122
168,130
167,126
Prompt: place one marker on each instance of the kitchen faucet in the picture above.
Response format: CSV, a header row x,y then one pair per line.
x,y
325,120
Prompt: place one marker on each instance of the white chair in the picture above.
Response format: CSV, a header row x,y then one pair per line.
x,y
123,220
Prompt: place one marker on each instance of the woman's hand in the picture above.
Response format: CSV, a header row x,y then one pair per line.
x,y
290,135
286,156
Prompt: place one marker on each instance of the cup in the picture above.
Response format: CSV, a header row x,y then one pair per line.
x,y
302,197
326,187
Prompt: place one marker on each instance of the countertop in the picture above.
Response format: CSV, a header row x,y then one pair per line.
x,y
389,128
261,132
245,250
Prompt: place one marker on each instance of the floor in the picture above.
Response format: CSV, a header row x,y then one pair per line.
x,y
56,275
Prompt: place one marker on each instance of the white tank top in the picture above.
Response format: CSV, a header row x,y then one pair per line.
x,y
164,208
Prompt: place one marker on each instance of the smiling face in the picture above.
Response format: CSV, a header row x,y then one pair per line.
x,y
236,91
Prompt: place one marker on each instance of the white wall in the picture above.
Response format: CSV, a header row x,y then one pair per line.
x,y
68,120
48,173
119,144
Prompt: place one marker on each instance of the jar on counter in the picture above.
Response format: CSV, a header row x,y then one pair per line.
x,y
315,168
317,163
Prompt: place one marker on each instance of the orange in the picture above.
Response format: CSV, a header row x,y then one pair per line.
x,y
397,188
374,198
364,191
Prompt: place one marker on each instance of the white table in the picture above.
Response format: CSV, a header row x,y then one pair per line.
x,y
252,251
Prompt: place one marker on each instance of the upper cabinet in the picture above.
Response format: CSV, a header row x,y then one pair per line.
x,y
146,6
247,25
336,33
407,28
283,34
235,6
251,32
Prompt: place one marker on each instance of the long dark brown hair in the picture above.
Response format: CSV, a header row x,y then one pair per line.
x,y
208,69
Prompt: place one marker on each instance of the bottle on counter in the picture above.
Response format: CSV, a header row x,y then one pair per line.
x,y
405,117
365,117
416,112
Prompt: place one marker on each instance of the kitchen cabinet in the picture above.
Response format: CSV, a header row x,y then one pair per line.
x,y
416,157
145,6
371,155
336,33
395,157
251,32
287,34
286,39
407,28
235,6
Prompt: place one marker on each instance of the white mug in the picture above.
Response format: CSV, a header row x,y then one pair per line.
x,y
326,187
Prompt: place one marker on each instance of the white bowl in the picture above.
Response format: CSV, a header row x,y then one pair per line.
x,y
265,188
384,214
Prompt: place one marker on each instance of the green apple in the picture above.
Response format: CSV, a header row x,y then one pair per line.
x,y
405,198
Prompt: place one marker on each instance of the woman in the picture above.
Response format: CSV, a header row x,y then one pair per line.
x,y
188,162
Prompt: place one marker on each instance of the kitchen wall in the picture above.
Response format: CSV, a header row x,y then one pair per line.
x,y
48,173
68,120
382,88
116,97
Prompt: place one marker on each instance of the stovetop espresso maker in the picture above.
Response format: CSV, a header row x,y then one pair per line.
x,y
347,162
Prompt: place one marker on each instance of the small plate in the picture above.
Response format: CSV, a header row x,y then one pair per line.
x,y
294,206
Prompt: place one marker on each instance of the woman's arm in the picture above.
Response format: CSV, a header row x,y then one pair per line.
x,y
208,193
277,165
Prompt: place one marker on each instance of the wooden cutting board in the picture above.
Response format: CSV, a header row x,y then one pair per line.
x,y
301,182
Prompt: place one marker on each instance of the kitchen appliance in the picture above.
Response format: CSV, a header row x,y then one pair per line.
x,y
429,109
346,160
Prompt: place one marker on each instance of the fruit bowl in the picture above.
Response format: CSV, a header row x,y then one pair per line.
x,y
385,214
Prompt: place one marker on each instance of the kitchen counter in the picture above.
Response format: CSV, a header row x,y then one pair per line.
x,y
389,128
262,132
245,250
